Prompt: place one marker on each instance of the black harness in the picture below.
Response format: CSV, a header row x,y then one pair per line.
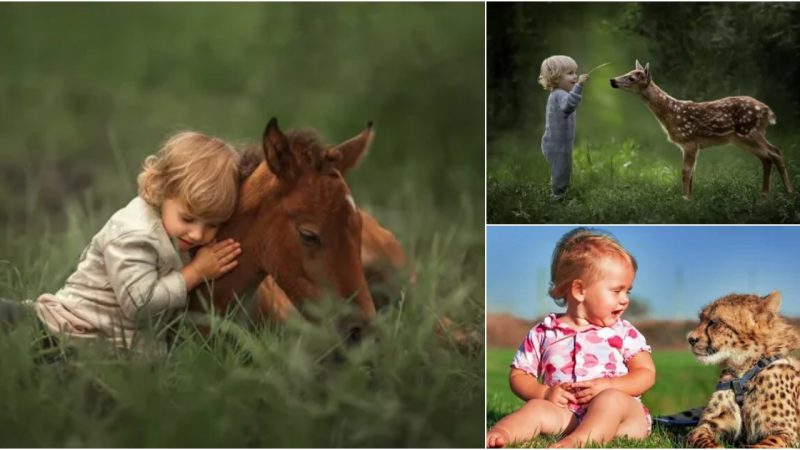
x,y
738,384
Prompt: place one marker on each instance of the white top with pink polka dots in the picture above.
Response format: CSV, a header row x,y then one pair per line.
x,y
559,354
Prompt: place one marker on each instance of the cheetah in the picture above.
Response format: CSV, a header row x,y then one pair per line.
x,y
756,402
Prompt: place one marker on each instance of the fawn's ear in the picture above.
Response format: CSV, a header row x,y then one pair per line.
x,y
349,153
277,153
647,72
638,66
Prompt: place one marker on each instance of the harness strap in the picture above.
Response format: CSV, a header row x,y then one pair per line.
x,y
738,384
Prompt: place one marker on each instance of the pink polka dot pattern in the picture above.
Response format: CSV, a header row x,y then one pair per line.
x,y
558,353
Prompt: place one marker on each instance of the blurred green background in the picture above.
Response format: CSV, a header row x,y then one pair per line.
x,y
87,90
625,169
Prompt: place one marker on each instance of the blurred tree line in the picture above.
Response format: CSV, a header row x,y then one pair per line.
x,y
87,90
704,50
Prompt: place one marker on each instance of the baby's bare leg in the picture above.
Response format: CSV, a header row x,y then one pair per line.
x,y
534,418
610,414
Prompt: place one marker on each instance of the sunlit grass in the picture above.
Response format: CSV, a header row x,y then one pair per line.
x,y
682,383
626,182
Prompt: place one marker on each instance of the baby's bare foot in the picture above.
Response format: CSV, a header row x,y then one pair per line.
x,y
497,438
568,442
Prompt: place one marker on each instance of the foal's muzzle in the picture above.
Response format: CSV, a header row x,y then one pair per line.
x,y
613,83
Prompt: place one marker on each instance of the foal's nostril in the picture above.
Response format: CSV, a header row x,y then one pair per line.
x,y
692,341
613,83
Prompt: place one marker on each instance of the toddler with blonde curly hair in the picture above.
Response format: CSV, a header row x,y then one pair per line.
x,y
134,268
559,76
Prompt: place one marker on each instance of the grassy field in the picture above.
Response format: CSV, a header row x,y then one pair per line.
x,y
86,94
633,181
682,383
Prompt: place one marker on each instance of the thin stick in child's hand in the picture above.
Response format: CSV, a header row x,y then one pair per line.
x,y
598,67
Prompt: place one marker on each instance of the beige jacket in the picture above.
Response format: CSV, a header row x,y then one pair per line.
x,y
127,278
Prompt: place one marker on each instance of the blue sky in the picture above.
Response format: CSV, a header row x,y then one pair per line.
x,y
681,268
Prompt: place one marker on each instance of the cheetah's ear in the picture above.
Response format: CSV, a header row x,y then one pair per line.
x,y
773,302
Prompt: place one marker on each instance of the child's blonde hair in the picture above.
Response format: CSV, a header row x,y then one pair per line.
x,y
553,68
201,170
576,256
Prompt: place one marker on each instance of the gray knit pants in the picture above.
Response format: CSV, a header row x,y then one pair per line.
x,y
560,163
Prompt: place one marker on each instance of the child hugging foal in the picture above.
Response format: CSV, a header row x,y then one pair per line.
x,y
593,364
136,270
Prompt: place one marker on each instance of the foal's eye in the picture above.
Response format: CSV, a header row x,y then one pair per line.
x,y
308,237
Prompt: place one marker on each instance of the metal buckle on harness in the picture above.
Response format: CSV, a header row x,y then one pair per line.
x,y
738,390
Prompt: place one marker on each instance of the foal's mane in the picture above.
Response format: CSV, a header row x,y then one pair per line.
x,y
306,139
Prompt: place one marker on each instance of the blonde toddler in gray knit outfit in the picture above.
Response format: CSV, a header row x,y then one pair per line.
x,y
559,76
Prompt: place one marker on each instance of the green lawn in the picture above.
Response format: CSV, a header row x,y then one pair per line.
x,y
681,383
631,181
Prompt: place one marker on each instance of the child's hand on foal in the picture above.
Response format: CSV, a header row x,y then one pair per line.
x,y
585,391
559,395
583,78
216,259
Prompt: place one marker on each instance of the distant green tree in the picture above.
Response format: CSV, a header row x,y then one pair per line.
x,y
709,50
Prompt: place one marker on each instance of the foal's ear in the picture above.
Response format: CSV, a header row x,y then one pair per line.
x,y
277,153
647,72
349,153
638,66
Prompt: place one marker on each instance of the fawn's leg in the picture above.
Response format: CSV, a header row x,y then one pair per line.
x,y
690,152
757,144
766,165
534,418
612,413
761,151
777,158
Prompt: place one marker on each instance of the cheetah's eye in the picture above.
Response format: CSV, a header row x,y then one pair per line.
x,y
711,323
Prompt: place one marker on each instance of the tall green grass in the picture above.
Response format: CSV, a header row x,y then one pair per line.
x,y
633,181
681,383
296,385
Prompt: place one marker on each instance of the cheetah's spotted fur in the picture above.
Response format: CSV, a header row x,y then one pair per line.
x,y
734,333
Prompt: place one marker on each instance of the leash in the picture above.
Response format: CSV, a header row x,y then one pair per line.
x,y
738,384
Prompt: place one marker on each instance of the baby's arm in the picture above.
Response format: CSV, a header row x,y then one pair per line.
x,y
526,387
569,101
132,266
211,262
641,376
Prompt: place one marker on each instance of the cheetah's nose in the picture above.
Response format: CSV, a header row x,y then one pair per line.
x,y
692,341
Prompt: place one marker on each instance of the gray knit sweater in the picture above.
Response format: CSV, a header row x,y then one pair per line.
x,y
559,127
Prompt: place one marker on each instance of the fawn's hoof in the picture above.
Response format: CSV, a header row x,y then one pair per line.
x,y
687,198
